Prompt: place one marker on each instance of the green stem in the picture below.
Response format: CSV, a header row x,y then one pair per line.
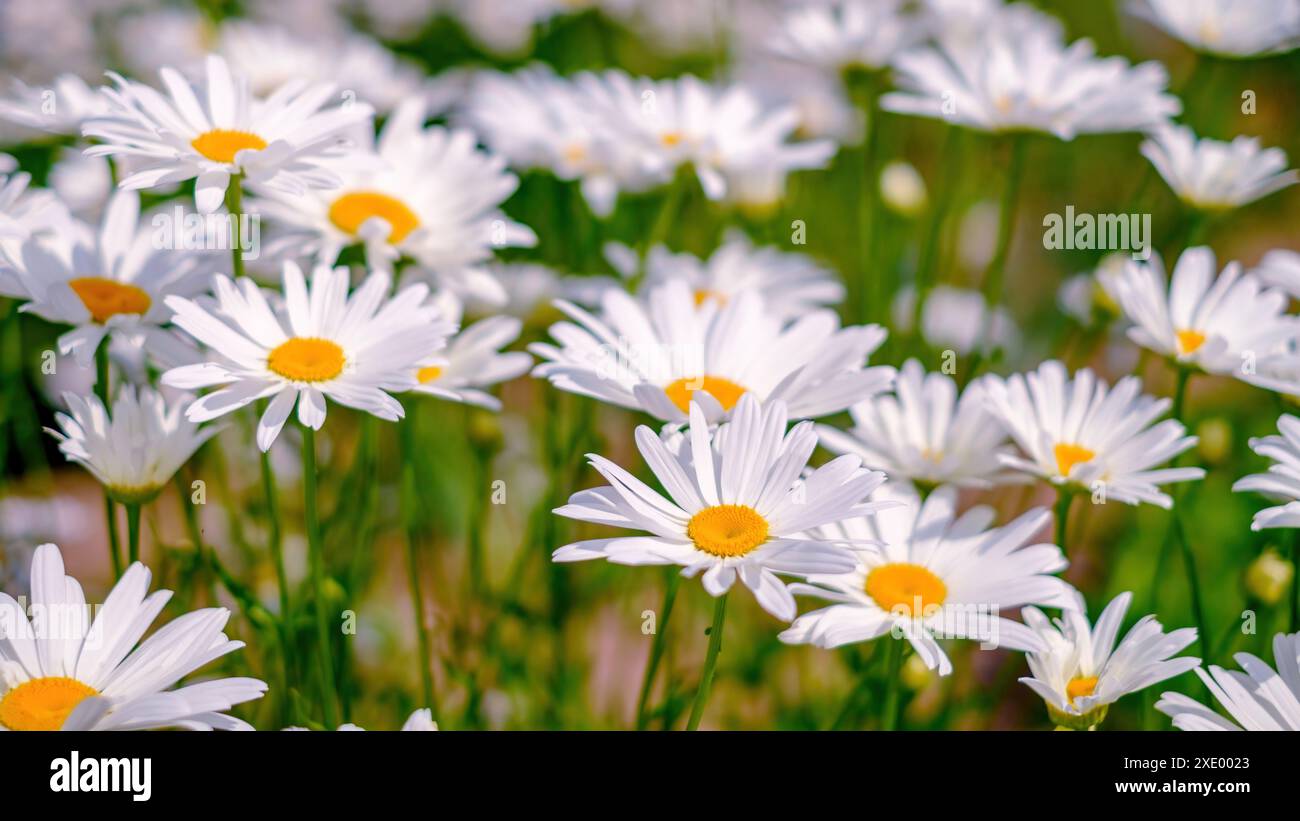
x,y
133,533
316,559
928,261
274,537
102,390
872,296
408,502
994,274
1181,381
1064,498
674,580
669,210
889,713
235,205
710,663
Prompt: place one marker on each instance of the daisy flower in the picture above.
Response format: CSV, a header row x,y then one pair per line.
x,y
1212,175
1226,28
354,349
220,129
473,359
1082,671
59,109
65,671
1261,698
1282,481
736,506
1280,269
956,319
661,354
426,194
924,573
419,721
135,451
924,433
112,282
1023,78
1220,326
838,35
1078,432
790,284
25,211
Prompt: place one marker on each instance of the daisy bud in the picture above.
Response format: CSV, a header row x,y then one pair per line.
x,y
903,189
1268,578
1215,439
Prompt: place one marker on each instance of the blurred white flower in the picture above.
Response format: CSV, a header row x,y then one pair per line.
x,y
1282,481
133,451
1214,175
58,109
425,194
472,359
278,142
666,352
838,35
1082,671
1227,28
924,574
1261,698
955,318
69,672
1280,269
735,506
902,188
1078,432
924,433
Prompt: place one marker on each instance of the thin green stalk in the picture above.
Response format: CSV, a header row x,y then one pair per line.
x,y
408,503
994,274
710,663
1181,381
235,205
945,189
672,582
133,533
889,712
102,390
329,693
872,296
1064,498
669,210
274,537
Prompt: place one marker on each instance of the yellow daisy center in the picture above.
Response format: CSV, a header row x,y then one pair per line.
x,y
671,139
727,530
429,374
1067,456
222,144
106,298
42,703
727,393
904,586
1080,687
307,359
703,295
350,211
1189,341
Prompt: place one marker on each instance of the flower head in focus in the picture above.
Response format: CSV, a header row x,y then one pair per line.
x,y
1261,698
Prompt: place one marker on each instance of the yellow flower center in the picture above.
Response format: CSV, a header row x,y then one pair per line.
x,y
1067,456
1189,341
306,359
703,295
429,374
671,139
106,298
727,393
1080,687
350,211
221,144
727,530
42,703
906,587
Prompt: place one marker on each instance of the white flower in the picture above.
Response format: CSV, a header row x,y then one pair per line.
x,y
427,194
25,211
922,432
1023,78
472,359
736,507
956,319
1082,671
661,354
1259,699
923,573
836,35
353,349
59,109
419,721
1227,28
135,451
1078,432
1214,175
220,129
1084,296
112,282
1280,268
63,671
1215,325
272,55
791,284
1282,481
